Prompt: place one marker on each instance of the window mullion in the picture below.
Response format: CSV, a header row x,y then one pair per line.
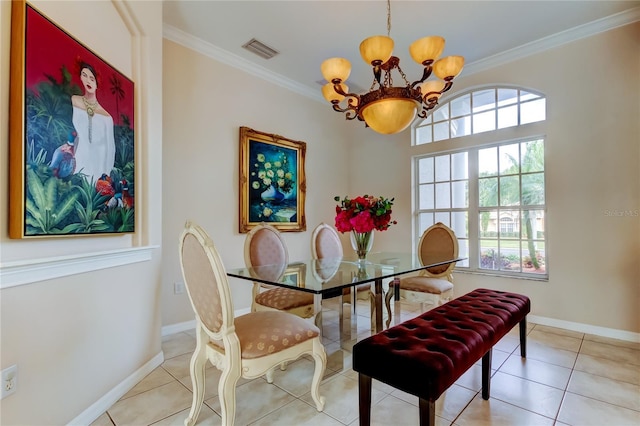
x,y
474,214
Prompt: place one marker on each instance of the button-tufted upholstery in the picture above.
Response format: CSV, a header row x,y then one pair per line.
x,y
425,355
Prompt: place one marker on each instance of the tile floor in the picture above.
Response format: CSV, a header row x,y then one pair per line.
x,y
568,378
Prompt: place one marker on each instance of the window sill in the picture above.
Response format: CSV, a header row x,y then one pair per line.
x,y
544,278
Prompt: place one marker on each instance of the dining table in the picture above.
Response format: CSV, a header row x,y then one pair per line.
x,y
328,277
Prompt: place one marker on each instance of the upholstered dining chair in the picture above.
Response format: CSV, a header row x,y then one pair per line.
x,y
248,346
265,246
326,244
432,286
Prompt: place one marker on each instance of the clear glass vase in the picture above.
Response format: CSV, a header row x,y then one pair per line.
x,y
361,243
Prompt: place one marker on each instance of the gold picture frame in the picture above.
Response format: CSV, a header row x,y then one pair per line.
x,y
272,181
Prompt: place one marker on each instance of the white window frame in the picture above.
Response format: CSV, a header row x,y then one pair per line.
x,y
472,144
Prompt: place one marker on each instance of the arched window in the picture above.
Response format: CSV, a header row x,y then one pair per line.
x,y
481,111
492,191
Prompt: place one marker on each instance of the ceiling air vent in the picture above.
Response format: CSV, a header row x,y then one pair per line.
x,y
260,49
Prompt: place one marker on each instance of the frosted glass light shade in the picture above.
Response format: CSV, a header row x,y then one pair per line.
x,y
432,86
448,67
389,116
426,48
330,94
335,68
376,48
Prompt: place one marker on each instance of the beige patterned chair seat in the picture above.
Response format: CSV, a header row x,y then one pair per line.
x,y
426,285
284,299
267,332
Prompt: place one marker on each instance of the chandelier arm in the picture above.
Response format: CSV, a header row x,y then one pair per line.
x,y
338,89
425,75
448,84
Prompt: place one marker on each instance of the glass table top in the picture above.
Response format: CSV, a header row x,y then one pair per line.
x,y
324,275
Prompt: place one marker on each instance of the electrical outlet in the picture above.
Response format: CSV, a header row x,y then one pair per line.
x,y
178,287
9,381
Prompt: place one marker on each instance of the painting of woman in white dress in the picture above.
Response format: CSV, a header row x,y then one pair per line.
x,y
95,145
72,167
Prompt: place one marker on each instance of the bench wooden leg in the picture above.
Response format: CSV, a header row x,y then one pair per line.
x,y
427,412
364,387
523,337
486,374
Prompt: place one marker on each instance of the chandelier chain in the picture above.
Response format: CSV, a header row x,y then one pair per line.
x,y
388,18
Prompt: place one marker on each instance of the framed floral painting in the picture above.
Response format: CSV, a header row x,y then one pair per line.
x,y
272,181
71,135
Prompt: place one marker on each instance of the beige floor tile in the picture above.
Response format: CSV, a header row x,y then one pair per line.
x,y
559,331
166,400
297,378
498,413
498,358
394,411
616,353
178,344
207,417
551,355
507,344
211,380
537,371
472,378
448,406
254,400
341,395
608,368
554,340
157,377
177,366
103,420
606,390
614,342
541,399
297,413
582,411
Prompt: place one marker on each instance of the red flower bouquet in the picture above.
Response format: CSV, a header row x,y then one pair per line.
x,y
362,216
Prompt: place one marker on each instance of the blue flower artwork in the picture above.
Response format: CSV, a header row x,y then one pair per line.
x,y
273,183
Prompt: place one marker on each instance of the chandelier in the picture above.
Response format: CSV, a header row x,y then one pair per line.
x,y
388,109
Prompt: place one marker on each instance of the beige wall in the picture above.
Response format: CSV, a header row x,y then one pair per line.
x,y
592,163
77,338
205,104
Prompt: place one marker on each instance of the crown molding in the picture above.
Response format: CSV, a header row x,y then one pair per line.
x,y
582,31
210,50
532,48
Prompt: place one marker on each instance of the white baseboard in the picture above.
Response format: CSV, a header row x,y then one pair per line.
x,y
89,415
586,328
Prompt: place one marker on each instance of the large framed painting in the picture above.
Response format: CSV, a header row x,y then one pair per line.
x,y
71,135
272,181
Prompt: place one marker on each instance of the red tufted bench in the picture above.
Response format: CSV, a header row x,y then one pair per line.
x,y
427,354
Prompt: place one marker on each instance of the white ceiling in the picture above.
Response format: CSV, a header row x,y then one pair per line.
x,y
308,32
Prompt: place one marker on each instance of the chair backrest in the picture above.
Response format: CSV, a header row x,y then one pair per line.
x,y
325,242
265,246
206,281
438,243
